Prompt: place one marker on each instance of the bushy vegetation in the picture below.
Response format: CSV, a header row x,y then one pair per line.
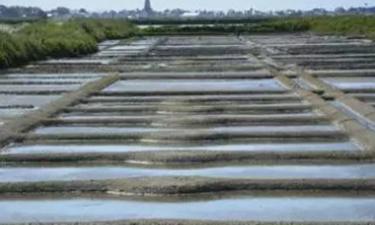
x,y
261,27
197,21
45,39
336,25
50,39
344,25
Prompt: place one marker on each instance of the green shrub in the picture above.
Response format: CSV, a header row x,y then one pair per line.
x,y
344,25
44,39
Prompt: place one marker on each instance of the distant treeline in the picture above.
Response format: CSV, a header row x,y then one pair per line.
x,y
17,13
263,26
195,21
41,40
337,25
44,39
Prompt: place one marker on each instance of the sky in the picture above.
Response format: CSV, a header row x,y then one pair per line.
x,y
264,5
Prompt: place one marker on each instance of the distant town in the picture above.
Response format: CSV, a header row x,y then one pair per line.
x,y
63,13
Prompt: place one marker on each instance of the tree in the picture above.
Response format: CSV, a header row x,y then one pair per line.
x,y
62,11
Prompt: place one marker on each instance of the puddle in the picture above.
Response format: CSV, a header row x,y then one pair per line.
x,y
12,112
225,102
331,49
217,130
156,118
352,83
77,61
37,88
43,81
38,82
298,209
53,76
205,98
32,174
317,45
16,105
276,147
96,130
183,85
204,46
36,100
128,47
110,42
120,113
117,53
342,73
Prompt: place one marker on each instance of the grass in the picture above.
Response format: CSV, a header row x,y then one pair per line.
x,y
11,28
45,39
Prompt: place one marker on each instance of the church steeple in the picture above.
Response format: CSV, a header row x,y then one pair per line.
x,y
148,9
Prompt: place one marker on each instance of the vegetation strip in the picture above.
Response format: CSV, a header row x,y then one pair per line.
x,y
41,40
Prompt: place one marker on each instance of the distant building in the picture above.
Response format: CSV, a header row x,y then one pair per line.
x,y
147,10
189,14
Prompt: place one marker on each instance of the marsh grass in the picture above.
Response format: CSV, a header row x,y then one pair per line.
x,y
344,25
353,25
41,40
261,27
47,39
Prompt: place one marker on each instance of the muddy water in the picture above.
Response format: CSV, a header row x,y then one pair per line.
x,y
199,46
34,174
53,76
37,88
128,47
82,115
12,112
277,147
218,130
22,93
351,83
181,85
116,50
36,100
77,61
97,130
298,209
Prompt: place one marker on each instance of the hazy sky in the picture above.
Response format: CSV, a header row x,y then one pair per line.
x,y
101,5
